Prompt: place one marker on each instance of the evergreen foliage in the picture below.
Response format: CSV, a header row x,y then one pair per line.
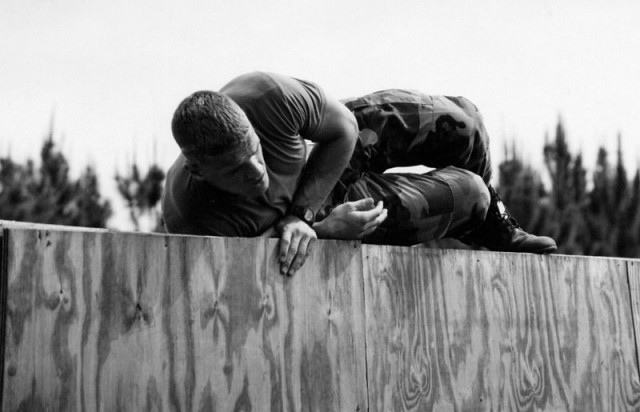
x,y
142,193
601,220
46,193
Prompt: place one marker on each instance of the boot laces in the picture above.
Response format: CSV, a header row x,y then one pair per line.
x,y
502,214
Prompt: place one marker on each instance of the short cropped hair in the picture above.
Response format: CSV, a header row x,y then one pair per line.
x,y
208,123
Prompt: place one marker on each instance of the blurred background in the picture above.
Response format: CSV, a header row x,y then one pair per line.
x,y
87,91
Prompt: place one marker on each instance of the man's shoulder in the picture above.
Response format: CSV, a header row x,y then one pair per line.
x,y
182,193
193,207
189,206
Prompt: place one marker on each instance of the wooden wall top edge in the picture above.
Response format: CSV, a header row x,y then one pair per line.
x,y
6,224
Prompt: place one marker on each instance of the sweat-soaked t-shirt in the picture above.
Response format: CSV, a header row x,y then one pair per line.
x,y
283,111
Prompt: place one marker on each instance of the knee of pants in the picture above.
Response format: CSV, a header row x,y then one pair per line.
x,y
471,198
483,197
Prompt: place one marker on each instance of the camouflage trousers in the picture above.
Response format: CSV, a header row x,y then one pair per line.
x,y
400,128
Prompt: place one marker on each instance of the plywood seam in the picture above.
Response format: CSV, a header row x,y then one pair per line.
x,y
366,323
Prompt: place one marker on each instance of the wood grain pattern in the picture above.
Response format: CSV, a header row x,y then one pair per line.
x,y
122,321
104,321
3,303
469,330
633,274
594,329
400,346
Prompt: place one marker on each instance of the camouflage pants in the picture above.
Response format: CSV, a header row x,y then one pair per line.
x,y
408,128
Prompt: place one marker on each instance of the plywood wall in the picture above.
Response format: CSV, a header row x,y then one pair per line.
x,y
120,321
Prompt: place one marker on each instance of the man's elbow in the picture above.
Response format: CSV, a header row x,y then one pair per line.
x,y
350,127
339,127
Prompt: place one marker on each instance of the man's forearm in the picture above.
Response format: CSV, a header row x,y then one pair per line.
x,y
325,165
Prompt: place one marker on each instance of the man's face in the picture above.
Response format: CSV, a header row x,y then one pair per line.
x,y
241,172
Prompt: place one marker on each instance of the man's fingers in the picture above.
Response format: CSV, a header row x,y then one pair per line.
x,y
285,240
372,214
304,249
373,225
294,244
378,219
383,216
363,204
291,254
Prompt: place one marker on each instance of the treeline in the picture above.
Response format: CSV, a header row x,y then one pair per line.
x,y
595,213
44,192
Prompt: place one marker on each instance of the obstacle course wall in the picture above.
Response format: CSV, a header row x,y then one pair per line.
x,y
96,320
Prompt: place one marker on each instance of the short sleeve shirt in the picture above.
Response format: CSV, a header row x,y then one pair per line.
x,y
283,112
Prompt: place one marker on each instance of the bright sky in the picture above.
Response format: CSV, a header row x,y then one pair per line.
x,y
111,73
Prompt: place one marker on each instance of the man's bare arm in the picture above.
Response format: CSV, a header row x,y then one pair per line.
x,y
335,140
334,143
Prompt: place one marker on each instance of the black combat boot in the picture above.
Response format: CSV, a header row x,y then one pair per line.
x,y
501,232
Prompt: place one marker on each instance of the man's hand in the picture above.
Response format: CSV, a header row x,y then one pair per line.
x,y
352,220
296,238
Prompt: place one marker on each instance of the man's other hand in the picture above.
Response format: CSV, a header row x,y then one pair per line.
x,y
352,220
296,238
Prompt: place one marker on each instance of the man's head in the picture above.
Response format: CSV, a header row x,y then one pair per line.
x,y
220,144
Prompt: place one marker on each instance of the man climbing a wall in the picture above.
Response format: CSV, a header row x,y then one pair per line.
x,y
244,169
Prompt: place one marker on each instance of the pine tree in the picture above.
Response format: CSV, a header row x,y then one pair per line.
x,y
142,195
46,194
521,188
632,217
562,220
601,220
600,200
622,236
89,210
578,181
558,160
621,183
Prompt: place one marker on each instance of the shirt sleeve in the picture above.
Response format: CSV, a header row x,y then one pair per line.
x,y
188,209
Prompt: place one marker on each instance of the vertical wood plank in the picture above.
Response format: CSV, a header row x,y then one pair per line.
x,y
83,319
325,364
494,331
633,274
104,321
401,343
36,304
4,233
230,371
595,330
284,342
